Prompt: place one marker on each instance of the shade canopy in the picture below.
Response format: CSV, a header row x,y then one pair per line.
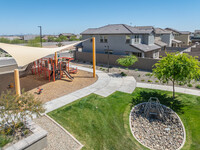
x,y
24,55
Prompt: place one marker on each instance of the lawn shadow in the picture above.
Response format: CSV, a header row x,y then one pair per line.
x,y
164,99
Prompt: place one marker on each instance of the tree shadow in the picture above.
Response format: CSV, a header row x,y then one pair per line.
x,y
164,99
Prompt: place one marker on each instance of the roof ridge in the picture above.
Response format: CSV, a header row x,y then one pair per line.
x,y
127,28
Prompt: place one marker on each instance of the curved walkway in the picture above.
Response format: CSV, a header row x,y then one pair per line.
x,y
169,88
104,86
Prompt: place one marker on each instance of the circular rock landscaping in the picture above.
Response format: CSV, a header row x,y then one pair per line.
x,y
165,132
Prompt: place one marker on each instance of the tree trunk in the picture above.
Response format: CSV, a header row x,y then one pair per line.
x,y
173,90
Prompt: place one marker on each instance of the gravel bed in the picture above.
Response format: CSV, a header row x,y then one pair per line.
x,y
57,139
159,134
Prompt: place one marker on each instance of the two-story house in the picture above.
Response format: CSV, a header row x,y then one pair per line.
x,y
182,36
163,38
121,39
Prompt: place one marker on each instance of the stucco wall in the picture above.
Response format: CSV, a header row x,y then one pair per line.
x,y
117,43
142,63
185,38
167,38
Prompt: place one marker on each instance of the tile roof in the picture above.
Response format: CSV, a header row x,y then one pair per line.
x,y
161,31
181,32
117,29
160,43
146,48
185,32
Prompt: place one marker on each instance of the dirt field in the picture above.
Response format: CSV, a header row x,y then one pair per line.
x,y
51,90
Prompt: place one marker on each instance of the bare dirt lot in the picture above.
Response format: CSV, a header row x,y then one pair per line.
x,y
51,90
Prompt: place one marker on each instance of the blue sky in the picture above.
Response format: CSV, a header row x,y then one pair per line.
x,y
57,16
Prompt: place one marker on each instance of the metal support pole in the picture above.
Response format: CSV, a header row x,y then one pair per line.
x,y
94,56
108,61
17,82
40,34
56,59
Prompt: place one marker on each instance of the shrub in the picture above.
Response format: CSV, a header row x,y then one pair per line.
x,y
181,83
139,75
148,74
164,81
123,74
197,86
15,110
142,80
126,68
136,70
189,85
149,81
156,81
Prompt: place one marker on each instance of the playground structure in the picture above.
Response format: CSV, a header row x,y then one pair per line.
x,y
24,55
53,68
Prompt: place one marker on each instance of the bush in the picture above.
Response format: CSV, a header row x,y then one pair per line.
x,y
156,81
142,80
123,74
148,74
197,86
189,85
149,81
181,83
136,70
139,75
164,81
15,110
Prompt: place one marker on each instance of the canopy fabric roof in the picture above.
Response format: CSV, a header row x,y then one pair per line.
x,y
24,55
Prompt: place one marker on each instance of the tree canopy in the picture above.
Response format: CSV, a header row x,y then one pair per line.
x,y
177,68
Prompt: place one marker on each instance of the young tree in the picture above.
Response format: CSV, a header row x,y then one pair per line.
x,y
127,61
177,68
15,110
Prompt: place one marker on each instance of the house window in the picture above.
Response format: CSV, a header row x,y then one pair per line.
x,y
105,39
137,54
101,39
91,38
128,39
136,38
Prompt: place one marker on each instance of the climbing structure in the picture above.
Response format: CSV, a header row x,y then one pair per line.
x,y
54,68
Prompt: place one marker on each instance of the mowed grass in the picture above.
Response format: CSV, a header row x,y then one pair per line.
x,y
103,123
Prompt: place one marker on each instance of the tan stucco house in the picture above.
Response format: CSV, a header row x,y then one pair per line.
x,y
183,36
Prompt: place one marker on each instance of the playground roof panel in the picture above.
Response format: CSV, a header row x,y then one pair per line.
x,y
24,55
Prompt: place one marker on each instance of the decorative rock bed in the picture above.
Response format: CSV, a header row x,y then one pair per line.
x,y
159,134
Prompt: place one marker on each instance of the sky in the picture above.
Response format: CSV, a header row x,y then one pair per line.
x,y
75,16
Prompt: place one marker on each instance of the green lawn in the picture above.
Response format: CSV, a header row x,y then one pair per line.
x,y
102,123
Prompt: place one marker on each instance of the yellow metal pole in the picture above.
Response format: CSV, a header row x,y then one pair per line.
x,y
56,59
17,82
94,56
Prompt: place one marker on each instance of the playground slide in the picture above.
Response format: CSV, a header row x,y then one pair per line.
x,y
68,75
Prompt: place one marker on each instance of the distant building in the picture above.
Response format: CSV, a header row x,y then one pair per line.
x,y
121,39
196,37
10,37
68,35
163,38
29,37
181,38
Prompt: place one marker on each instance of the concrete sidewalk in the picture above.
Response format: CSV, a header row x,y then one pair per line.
x,y
104,86
169,88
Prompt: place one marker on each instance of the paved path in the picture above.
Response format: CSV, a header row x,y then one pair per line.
x,y
169,88
104,86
